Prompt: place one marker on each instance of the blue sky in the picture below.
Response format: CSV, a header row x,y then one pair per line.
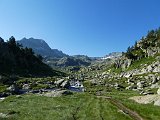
x,y
89,27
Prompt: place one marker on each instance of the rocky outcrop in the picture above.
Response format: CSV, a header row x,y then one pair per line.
x,y
151,51
122,62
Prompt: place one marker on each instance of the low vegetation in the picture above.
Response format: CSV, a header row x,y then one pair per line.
x,y
81,106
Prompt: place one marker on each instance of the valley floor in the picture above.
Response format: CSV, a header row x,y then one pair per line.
x,y
79,106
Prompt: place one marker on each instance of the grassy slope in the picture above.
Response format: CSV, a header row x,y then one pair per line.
x,y
81,106
78,106
147,111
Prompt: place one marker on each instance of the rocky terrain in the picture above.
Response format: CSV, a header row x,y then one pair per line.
x,y
54,57
120,83
39,46
138,69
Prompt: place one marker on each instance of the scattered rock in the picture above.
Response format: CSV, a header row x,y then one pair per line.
x,y
157,103
65,84
59,82
4,94
158,91
155,86
140,85
26,86
57,93
2,115
147,99
13,88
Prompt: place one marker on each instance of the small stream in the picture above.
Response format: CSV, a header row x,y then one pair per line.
x,y
25,91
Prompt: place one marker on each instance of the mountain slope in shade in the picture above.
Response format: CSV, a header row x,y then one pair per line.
x,y
39,46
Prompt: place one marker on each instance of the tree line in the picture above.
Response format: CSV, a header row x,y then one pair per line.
x,y
16,60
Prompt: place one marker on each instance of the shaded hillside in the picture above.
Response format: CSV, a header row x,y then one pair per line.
x,y
68,61
21,61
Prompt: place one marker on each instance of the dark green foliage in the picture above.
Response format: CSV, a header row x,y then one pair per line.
x,y
15,60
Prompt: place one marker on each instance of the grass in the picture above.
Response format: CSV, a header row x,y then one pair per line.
x,y
147,111
3,88
138,63
80,106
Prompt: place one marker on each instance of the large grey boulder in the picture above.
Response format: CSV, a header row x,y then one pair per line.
x,y
3,115
57,93
59,82
65,84
157,103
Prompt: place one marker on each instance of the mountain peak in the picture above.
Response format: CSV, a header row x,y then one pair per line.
x,y
39,46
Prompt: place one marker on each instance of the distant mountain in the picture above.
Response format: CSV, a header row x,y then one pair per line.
x,y
39,46
15,60
54,57
112,55
79,60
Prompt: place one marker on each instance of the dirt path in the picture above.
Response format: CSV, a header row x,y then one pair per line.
x,y
134,115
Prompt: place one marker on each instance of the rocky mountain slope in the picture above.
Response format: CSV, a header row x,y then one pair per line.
x,y
138,69
54,57
39,46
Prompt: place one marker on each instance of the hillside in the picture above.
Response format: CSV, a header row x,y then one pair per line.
x,y
41,47
107,89
15,60
138,69
54,57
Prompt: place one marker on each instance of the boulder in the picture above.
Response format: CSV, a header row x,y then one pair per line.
x,y
129,88
140,84
157,102
149,68
155,86
3,115
59,82
128,75
57,93
158,91
156,69
13,88
26,86
65,84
